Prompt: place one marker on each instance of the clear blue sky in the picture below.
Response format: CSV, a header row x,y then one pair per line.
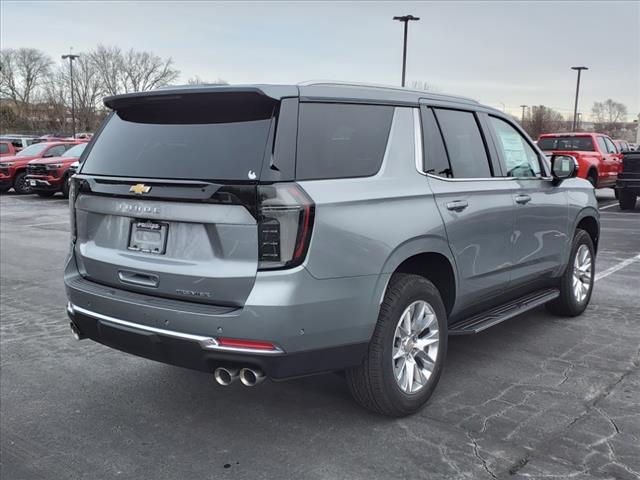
x,y
502,53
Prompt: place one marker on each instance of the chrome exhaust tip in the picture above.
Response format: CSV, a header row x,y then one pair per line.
x,y
251,377
75,331
225,376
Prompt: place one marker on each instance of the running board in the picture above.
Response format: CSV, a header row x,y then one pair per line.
x,y
496,315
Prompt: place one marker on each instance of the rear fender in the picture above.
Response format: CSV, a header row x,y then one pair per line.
x,y
408,249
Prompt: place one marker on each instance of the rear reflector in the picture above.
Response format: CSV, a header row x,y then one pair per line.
x,y
249,344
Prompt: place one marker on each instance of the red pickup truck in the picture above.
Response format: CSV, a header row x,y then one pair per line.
x,y
598,158
47,176
7,149
13,169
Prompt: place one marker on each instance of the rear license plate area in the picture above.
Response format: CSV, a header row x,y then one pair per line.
x,y
148,237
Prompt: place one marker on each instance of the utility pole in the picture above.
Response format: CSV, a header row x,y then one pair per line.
x,y
405,19
71,57
523,107
575,107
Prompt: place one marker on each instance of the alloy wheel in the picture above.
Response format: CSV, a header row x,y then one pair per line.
x,y
415,347
582,273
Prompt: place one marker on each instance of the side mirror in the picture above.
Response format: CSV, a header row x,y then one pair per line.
x,y
563,167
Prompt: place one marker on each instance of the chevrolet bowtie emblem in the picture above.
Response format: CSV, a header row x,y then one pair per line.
x,y
139,188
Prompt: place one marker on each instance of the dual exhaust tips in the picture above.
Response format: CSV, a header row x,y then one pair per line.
x,y
249,377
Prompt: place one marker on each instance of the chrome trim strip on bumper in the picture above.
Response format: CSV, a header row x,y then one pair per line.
x,y
206,343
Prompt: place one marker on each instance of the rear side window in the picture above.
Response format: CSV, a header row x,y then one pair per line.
x,y
436,162
579,144
340,140
464,143
198,137
4,148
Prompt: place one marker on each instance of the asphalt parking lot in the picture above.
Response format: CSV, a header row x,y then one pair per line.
x,y
535,397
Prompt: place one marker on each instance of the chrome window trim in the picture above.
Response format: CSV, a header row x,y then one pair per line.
x,y
417,140
484,179
206,343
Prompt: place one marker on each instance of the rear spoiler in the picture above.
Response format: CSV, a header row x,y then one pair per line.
x,y
274,92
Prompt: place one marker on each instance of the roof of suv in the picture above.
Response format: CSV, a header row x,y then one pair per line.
x,y
320,90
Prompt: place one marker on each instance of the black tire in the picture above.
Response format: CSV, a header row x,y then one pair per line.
x,y
4,189
21,184
46,194
566,304
627,200
372,384
593,179
65,188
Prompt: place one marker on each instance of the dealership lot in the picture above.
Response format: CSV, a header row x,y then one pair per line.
x,y
534,397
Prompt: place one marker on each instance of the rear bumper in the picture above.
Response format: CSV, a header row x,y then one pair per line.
x,y
202,353
318,325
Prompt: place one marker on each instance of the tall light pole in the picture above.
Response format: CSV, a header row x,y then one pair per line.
x,y
523,107
405,19
71,57
575,107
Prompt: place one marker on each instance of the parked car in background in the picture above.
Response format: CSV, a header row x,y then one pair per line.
x,y
598,158
629,180
634,147
13,170
47,176
19,141
7,148
332,238
622,146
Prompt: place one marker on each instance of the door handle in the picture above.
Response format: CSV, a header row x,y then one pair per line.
x,y
523,199
457,205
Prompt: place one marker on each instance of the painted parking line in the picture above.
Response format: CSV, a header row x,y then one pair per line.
x,y
43,224
618,266
608,206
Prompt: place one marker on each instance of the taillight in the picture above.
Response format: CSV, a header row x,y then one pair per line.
x,y
285,221
73,188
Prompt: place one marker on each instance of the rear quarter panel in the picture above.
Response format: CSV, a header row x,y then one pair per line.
x,y
368,226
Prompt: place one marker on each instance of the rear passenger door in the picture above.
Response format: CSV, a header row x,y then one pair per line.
x,y
476,207
541,229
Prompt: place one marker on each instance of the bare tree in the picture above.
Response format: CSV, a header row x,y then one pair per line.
x,y
422,85
609,117
108,62
145,71
88,91
541,119
133,71
23,71
200,81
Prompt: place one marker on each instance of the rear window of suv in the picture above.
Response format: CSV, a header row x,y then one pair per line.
x,y
341,140
580,144
198,137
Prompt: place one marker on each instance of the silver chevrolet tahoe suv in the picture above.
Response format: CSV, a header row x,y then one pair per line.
x,y
270,231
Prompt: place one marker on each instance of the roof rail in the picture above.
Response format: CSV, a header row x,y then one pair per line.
x,y
309,83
